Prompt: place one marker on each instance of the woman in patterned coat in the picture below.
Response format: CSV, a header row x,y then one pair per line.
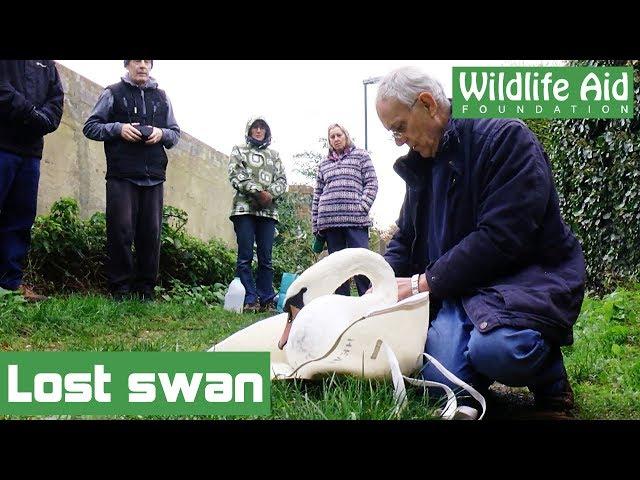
x,y
257,175
346,187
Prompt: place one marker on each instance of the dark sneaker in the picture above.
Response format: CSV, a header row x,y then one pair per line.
x,y
29,295
251,307
121,296
147,296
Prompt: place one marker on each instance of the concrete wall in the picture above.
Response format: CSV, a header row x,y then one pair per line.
x,y
74,166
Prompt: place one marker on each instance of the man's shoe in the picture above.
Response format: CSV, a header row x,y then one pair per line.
x,y
556,403
560,401
147,296
462,412
269,307
29,295
121,296
251,307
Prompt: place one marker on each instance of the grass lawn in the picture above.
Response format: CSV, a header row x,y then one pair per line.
x,y
603,363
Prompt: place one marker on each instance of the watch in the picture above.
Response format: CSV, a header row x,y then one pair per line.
x,y
415,284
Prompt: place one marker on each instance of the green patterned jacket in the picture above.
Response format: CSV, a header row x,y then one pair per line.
x,y
253,169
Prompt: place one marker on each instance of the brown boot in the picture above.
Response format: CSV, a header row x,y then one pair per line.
x,y
557,406
29,295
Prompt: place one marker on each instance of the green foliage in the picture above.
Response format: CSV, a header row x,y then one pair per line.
x,y
207,295
189,259
11,302
307,162
596,166
68,253
292,246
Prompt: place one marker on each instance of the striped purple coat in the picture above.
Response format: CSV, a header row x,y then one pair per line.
x,y
346,186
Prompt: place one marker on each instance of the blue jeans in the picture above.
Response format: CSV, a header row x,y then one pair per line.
x,y
348,237
512,356
261,230
19,177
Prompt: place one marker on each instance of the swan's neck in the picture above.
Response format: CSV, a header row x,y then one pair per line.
x,y
334,270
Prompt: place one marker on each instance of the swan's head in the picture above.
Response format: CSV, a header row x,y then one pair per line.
x,y
312,283
292,305
329,273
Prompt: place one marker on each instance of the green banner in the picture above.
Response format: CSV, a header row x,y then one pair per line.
x,y
543,92
134,383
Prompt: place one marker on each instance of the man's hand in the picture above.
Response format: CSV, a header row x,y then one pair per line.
x,y
155,136
130,133
264,198
404,286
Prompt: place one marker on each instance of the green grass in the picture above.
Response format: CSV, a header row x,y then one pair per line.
x,y
96,323
603,363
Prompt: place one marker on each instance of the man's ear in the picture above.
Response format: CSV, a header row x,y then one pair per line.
x,y
429,103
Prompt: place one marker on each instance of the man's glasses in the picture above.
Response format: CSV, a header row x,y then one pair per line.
x,y
399,133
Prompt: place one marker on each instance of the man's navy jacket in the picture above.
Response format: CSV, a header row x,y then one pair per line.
x,y
482,220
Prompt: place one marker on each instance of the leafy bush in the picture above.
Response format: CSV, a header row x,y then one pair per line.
x,y
597,171
68,253
292,246
11,301
189,259
189,295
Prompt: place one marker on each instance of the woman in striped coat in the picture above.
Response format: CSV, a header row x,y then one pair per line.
x,y
346,187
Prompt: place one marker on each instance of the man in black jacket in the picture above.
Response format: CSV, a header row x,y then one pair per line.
x,y
31,99
134,119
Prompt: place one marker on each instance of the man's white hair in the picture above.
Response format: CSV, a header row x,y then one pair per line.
x,y
406,83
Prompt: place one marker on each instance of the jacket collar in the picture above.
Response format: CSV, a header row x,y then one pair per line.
x,y
150,84
411,166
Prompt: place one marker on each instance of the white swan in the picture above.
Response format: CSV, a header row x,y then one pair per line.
x,y
324,332
317,316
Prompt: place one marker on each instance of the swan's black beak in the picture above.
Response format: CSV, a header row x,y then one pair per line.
x,y
292,306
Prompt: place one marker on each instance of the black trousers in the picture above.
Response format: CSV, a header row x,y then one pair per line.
x,y
134,218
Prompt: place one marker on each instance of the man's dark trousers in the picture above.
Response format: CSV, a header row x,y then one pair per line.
x,y
134,217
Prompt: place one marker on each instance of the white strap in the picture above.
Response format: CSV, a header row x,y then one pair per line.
x,y
400,393
399,390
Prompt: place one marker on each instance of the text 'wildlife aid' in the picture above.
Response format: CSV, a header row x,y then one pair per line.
x,y
134,383
543,92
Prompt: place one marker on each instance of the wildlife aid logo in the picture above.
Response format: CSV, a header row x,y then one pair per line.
x,y
134,383
543,92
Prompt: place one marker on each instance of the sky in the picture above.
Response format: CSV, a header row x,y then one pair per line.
x,y
213,99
